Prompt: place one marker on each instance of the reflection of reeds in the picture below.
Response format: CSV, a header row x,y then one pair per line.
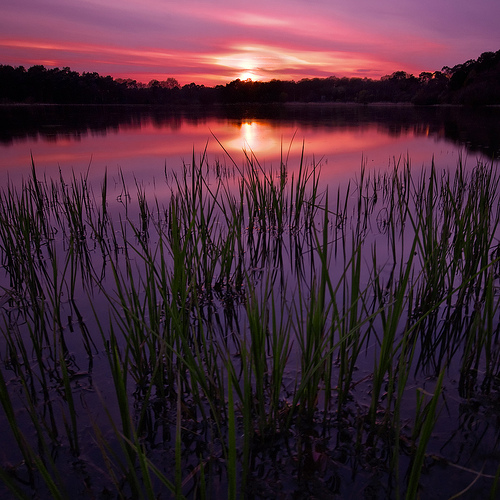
x,y
242,316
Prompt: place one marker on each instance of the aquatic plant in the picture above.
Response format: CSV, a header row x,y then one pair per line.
x,y
247,328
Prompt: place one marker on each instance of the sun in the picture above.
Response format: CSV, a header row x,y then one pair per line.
x,y
246,75
246,67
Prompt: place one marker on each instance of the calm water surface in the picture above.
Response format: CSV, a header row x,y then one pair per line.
x,y
141,143
144,146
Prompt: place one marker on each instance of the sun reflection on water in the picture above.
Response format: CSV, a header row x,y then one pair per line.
x,y
250,135
254,137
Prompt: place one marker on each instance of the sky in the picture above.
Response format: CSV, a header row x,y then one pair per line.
x,y
215,42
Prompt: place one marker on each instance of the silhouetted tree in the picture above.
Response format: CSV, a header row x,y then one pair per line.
x,y
472,82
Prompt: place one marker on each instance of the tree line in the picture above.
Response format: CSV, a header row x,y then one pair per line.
x,y
475,82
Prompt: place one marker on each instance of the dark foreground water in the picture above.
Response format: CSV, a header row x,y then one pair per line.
x,y
124,317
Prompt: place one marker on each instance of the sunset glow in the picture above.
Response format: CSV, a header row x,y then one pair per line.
x,y
214,43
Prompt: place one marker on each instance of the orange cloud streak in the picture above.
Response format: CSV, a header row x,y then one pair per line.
x,y
215,42
260,61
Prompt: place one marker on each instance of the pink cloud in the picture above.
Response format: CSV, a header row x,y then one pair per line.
x,y
215,42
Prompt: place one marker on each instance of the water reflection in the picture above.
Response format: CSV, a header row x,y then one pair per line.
x,y
203,282
145,140
256,137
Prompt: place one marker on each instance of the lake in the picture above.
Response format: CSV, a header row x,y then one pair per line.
x,y
298,301
142,142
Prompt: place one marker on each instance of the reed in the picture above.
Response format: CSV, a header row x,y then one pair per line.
x,y
242,315
424,435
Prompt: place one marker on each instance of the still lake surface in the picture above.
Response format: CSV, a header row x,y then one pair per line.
x,y
142,143
143,146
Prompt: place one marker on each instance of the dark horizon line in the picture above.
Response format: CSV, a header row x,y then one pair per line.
x,y
249,80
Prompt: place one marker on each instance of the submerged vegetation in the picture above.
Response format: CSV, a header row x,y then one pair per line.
x,y
253,334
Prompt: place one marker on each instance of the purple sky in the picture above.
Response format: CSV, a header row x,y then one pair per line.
x,y
212,42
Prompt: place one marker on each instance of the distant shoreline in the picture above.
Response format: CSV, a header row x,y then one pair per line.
x,y
288,104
